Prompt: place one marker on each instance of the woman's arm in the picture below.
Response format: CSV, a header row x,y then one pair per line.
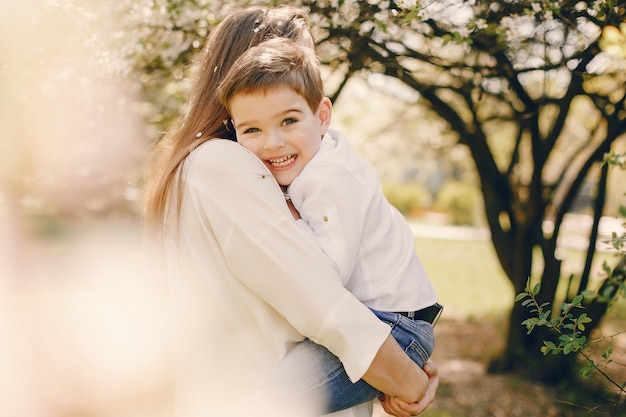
x,y
397,408
395,374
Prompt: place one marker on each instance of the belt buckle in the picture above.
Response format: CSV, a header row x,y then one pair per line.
x,y
439,308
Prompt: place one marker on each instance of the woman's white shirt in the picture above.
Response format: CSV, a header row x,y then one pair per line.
x,y
247,283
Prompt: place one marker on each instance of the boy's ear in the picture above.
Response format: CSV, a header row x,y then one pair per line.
x,y
325,111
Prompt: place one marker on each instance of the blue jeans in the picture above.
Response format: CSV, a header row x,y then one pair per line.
x,y
310,371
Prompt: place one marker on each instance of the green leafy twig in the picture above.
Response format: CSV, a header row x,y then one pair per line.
x,y
569,327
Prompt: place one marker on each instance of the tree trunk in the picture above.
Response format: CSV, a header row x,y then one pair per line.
x,y
522,353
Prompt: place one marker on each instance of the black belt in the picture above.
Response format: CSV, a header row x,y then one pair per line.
x,y
430,314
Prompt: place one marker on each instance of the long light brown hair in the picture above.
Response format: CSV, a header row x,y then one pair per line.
x,y
207,117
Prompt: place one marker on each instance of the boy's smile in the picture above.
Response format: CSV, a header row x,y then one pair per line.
x,y
282,162
279,127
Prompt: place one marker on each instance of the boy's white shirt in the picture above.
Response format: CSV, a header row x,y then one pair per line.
x,y
339,196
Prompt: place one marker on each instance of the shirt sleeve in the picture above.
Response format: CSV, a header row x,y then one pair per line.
x,y
272,256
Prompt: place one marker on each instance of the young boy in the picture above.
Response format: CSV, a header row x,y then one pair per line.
x,y
275,96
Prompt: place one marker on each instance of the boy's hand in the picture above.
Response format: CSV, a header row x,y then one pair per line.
x,y
399,408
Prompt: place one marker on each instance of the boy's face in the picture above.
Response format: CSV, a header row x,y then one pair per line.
x,y
279,127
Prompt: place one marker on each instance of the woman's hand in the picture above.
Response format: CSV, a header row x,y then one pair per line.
x,y
399,408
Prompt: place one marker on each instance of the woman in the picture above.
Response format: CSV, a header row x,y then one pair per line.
x,y
246,283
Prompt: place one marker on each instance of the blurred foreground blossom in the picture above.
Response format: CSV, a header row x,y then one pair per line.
x,y
84,323
92,326
70,137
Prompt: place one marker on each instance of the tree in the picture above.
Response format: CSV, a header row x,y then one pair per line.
x,y
524,86
511,79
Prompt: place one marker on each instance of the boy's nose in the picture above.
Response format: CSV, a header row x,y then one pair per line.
x,y
274,140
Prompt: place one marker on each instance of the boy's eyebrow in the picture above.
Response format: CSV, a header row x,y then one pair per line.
x,y
276,115
290,110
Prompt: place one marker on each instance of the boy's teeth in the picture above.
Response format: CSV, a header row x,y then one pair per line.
x,y
281,162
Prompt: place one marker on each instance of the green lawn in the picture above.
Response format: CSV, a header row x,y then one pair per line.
x,y
471,284
467,276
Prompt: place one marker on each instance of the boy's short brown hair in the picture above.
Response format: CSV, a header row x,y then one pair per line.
x,y
277,62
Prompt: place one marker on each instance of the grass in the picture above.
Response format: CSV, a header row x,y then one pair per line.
x,y
471,283
467,277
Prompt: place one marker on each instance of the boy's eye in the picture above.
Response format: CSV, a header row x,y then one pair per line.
x,y
251,130
289,121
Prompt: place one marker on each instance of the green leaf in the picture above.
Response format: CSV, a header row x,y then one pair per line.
x,y
608,291
582,320
521,296
536,288
588,294
549,344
